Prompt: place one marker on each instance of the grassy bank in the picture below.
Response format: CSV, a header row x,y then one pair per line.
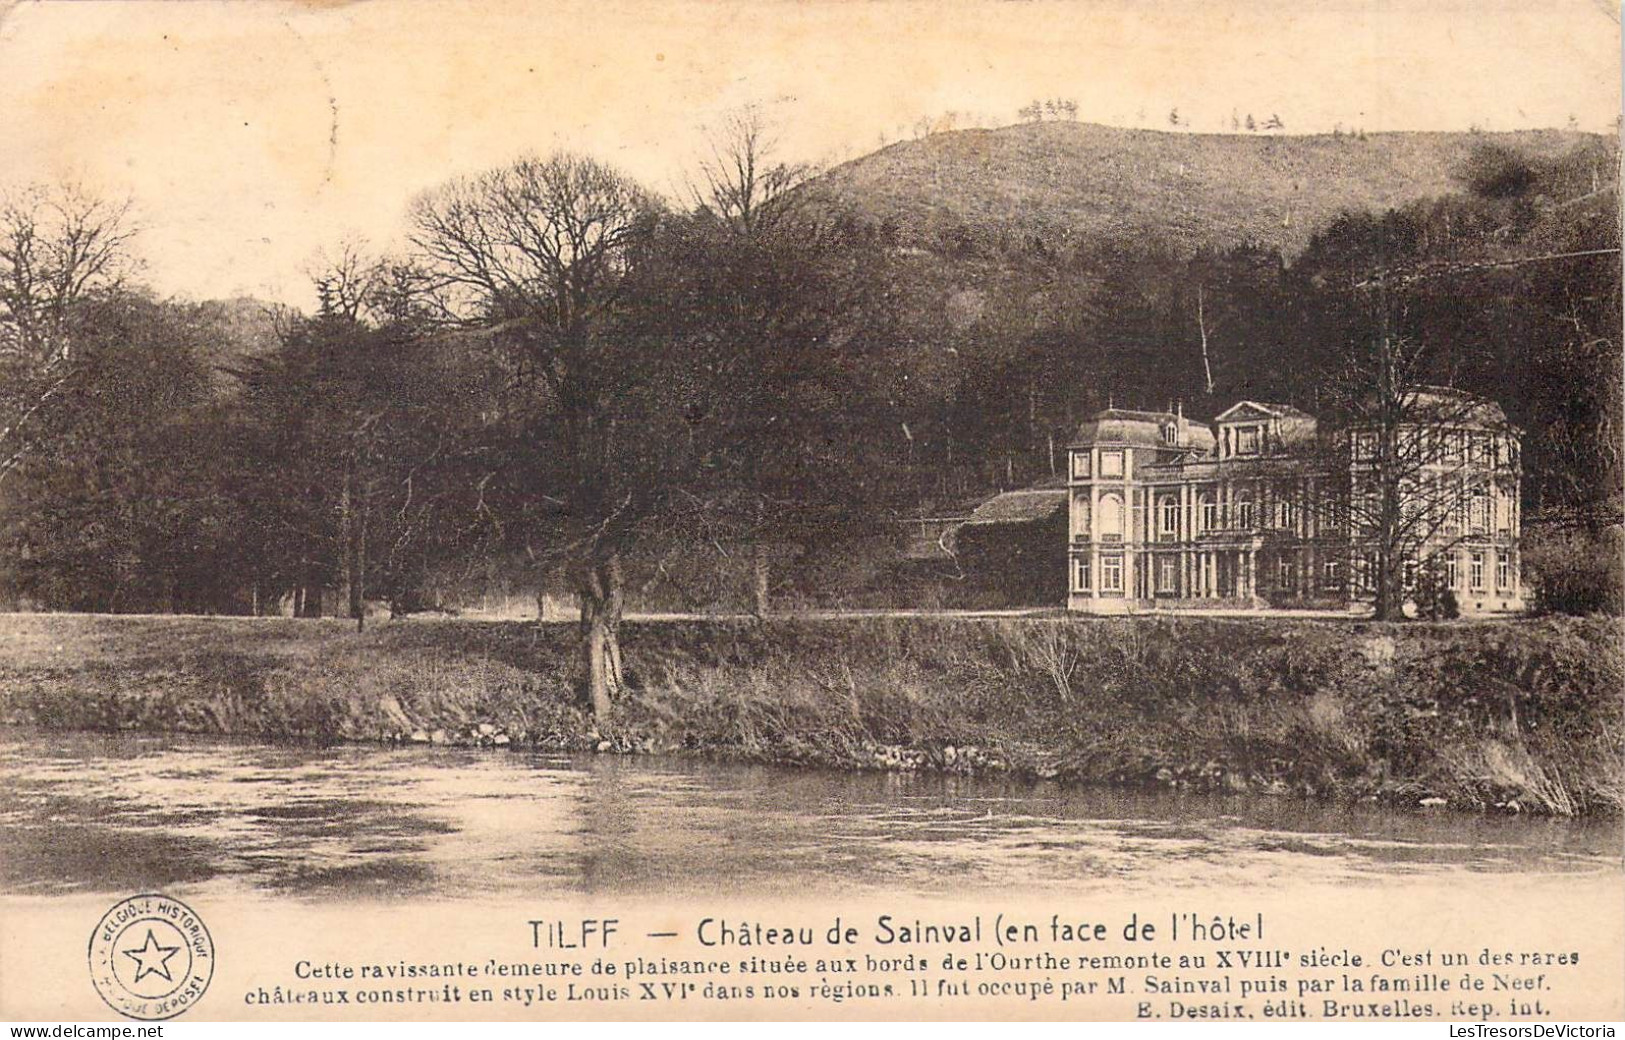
x,y
1516,715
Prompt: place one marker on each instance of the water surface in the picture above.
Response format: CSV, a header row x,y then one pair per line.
x,y
83,813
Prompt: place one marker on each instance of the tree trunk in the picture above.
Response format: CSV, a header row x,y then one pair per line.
x,y
352,548
761,574
1201,325
1385,607
601,604
358,572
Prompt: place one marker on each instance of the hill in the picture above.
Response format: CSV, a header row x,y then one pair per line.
x,y
1067,182
244,331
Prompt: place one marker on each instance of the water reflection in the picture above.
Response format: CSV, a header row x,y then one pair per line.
x,y
92,812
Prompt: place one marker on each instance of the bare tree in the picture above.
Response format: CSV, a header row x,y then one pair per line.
x,y
1416,469
534,255
741,180
349,280
755,194
59,246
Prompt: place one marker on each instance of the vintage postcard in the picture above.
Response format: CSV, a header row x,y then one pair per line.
x,y
811,510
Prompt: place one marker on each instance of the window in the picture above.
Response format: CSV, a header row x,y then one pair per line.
x,y
1434,451
1170,515
1475,570
1111,518
1503,571
1452,573
1080,574
1365,446
1247,440
1371,506
1285,573
1410,498
1111,463
1332,573
1480,512
1080,465
1210,513
1170,433
1408,574
1168,574
1111,574
1244,513
1286,514
1448,506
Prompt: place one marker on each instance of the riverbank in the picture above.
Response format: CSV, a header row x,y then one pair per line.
x,y
1517,716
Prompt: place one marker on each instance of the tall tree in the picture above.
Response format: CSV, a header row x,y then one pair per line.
x,y
655,359
535,255
125,512
771,276
362,436
60,247
1414,468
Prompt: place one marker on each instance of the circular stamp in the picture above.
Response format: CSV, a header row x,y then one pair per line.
x,y
151,957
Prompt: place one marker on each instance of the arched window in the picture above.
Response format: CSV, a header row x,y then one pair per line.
x,y
1111,517
1080,515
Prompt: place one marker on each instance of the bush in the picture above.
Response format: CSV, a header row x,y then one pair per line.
x,y
1576,571
1435,601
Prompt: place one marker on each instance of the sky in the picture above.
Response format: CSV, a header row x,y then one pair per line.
x,y
251,136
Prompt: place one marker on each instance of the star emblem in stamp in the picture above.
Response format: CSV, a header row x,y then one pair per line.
x,y
151,957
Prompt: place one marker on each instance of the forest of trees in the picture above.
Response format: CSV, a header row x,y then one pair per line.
x,y
599,388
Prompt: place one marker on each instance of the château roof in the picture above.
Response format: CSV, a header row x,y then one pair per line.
x,y
1439,404
1144,429
1123,425
1446,404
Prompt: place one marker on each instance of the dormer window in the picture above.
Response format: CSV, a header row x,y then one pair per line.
x,y
1170,433
1247,440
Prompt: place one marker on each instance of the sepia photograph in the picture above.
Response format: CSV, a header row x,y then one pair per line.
x,y
811,510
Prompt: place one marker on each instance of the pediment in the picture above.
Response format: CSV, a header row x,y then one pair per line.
x,y
1246,411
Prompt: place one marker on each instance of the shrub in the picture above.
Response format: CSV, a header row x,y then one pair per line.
x,y
1434,600
1576,571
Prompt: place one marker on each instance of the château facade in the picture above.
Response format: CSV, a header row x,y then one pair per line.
x,y
1265,509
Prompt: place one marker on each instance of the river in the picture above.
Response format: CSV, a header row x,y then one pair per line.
x,y
86,813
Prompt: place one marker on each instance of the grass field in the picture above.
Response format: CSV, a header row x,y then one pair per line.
x,y
1516,715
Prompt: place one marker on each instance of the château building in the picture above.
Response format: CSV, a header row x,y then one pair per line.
x,y
1263,508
